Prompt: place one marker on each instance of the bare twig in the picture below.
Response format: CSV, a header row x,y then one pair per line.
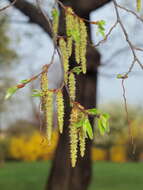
x,y
130,11
132,47
126,110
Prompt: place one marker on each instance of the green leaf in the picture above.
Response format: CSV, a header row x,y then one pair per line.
x,y
101,28
100,127
122,76
36,90
37,95
103,123
88,128
24,81
93,111
106,116
77,70
79,124
10,92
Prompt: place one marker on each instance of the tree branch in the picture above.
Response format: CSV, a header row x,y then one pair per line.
x,y
82,7
33,13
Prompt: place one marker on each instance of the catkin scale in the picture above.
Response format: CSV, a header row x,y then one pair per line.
x,y
60,110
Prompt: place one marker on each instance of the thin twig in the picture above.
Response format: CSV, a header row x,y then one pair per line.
x,y
126,110
130,11
132,47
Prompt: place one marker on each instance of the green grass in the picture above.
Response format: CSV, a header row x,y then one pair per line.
x,y
113,176
106,176
24,175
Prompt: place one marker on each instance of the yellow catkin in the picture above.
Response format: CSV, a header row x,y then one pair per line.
x,y
44,86
77,39
69,21
73,136
138,4
83,45
72,86
69,46
60,110
65,58
49,114
55,21
82,139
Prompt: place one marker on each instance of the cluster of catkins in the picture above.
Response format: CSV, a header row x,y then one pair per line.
x,y
47,104
76,39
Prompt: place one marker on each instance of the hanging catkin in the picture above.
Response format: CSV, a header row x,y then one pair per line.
x,y
55,21
83,45
60,110
69,46
69,21
49,114
65,58
77,39
138,4
73,136
82,138
72,86
44,86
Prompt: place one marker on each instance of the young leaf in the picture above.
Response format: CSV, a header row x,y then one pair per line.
x,y
103,123
77,70
101,28
100,127
122,76
80,123
93,111
24,81
10,92
87,127
37,95
105,120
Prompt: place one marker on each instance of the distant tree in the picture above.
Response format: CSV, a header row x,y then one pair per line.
x,y
7,54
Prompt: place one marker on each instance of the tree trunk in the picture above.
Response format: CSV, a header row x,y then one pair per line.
x,y
62,175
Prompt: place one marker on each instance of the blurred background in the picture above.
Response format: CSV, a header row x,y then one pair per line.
x,y
25,157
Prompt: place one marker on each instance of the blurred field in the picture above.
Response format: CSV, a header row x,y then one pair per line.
x,y
107,176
